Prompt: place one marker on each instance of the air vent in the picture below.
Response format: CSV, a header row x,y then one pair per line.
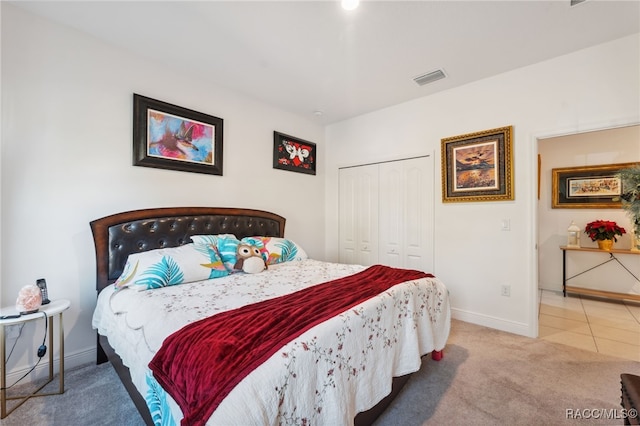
x,y
429,77
575,2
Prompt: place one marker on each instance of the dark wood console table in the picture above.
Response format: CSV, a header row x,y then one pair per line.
x,y
587,291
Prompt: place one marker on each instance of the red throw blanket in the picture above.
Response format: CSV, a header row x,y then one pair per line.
x,y
201,363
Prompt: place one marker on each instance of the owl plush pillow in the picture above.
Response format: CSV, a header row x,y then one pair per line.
x,y
249,259
277,250
233,253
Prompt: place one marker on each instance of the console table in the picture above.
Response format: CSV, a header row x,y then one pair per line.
x,y
587,291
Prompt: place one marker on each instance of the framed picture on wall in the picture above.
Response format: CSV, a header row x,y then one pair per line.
x,y
293,154
588,187
478,166
167,136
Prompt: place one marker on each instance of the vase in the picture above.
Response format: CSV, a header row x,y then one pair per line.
x,y
605,244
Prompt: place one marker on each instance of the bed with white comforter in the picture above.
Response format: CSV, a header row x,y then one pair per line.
x,y
325,376
320,366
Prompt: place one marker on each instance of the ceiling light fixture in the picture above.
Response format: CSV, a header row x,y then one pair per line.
x,y
350,4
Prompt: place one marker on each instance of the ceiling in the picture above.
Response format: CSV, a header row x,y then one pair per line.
x,y
310,56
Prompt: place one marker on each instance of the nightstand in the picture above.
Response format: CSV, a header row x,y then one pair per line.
x,y
56,307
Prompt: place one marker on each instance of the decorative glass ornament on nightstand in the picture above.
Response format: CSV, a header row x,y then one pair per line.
x,y
29,299
573,235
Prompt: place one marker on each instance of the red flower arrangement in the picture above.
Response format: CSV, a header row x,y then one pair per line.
x,y
603,230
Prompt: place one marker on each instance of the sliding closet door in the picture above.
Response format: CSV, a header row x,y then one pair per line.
x,y
358,205
406,213
386,214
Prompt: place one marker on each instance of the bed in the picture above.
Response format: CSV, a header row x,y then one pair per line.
x,y
342,369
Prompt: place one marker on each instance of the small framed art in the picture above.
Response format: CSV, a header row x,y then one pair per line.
x,y
478,166
293,154
167,136
588,187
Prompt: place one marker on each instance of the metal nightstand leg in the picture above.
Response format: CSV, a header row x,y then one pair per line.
x,y
61,335
3,379
3,376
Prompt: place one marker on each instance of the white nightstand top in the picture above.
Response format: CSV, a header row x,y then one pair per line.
x,y
51,309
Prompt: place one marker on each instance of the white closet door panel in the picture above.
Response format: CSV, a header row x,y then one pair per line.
x,y
391,214
405,194
414,208
347,200
366,217
358,215
418,213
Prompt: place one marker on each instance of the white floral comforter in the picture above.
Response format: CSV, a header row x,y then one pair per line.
x,y
326,376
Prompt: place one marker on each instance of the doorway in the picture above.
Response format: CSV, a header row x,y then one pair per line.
x,y
601,325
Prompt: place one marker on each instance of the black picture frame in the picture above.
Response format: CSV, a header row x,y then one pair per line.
x,y
588,187
293,154
167,136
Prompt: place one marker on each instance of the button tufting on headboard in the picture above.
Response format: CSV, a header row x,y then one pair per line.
x,y
119,235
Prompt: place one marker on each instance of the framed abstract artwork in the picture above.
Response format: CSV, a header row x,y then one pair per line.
x,y
293,154
167,136
478,166
588,187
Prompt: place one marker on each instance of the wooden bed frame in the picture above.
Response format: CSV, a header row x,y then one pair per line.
x,y
118,235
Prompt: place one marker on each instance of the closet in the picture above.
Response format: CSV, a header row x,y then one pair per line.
x,y
386,213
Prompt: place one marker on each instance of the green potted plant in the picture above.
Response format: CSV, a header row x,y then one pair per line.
x,y
630,199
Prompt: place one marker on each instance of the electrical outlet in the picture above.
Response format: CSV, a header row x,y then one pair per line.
x,y
12,331
505,290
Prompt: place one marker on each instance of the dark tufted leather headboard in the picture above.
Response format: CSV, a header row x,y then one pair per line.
x,y
118,235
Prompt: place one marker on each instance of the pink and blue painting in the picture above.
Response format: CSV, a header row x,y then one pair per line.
x,y
173,137
167,136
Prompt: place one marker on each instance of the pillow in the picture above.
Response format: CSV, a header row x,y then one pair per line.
x,y
225,244
277,250
171,266
210,239
250,259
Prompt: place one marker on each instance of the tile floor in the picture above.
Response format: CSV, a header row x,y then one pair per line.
x,y
607,326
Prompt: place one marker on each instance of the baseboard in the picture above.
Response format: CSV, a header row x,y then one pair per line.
x,y
514,327
71,361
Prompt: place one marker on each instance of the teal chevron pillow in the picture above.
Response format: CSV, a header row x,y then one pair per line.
x,y
171,266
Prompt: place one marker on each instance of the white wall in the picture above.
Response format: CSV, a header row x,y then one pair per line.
x,y
611,146
67,159
588,89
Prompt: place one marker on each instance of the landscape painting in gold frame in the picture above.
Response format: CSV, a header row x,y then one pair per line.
x,y
587,187
478,166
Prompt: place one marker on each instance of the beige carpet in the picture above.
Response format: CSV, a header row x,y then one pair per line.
x,y
487,377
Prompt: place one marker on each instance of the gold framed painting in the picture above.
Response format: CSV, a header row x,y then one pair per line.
x,y
478,166
588,187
